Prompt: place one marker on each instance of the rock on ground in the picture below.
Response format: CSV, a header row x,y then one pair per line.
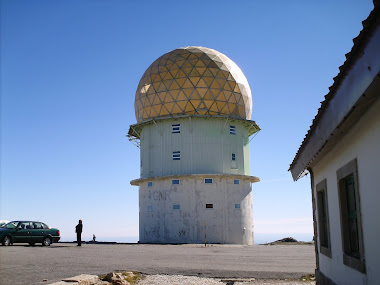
x,y
161,279
83,279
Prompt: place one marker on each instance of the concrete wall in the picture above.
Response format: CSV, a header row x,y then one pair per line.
x,y
160,223
363,143
206,146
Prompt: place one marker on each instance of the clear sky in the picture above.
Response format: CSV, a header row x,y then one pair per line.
x,y
69,72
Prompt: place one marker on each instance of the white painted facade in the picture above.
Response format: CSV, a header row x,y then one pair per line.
x,y
363,143
178,214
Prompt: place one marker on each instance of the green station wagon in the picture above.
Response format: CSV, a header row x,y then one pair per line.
x,y
28,232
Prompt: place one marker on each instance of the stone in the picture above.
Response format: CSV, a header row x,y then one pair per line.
x,y
110,276
83,279
116,279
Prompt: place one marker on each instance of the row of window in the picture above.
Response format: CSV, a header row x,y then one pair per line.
x,y
178,207
349,206
176,129
177,155
207,181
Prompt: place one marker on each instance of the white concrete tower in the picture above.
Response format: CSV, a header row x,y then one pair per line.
x,y
193,107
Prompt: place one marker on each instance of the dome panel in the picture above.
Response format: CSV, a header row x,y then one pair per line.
x,y
193,81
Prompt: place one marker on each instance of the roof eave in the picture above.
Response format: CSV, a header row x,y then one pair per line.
x,y
311,154
354,90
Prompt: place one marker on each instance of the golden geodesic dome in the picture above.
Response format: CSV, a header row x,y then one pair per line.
x,y
193,81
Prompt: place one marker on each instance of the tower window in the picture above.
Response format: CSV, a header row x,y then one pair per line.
x,y
232,130
150,209
175,181
236,181
209,206
176,129
208,180
176,207
237,206
233,157
150,184
176,155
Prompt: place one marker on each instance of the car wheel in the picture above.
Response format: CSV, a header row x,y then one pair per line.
x,y
7,241
47,241
31,243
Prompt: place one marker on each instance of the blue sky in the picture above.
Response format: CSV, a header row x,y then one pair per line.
x,y
69,72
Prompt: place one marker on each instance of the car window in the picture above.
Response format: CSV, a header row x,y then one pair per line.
x,y
37,226
45,226
24,226
11,225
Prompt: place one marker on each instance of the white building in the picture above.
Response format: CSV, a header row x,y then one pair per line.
x,y
341,151
192,108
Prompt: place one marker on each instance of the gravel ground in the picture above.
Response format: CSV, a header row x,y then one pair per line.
x,y
178,279
193,280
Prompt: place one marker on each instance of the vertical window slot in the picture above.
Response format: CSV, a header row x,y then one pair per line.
x,y
176,129
176,155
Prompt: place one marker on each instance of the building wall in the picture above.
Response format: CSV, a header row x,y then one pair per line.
x,y
363,143
206,146
160,223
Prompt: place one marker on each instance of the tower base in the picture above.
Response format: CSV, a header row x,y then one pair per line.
x,y
195,209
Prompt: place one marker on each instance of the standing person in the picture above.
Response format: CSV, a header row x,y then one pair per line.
x,y
78,230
